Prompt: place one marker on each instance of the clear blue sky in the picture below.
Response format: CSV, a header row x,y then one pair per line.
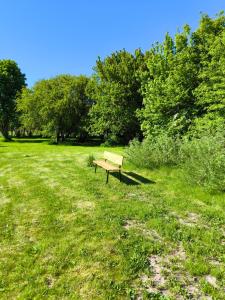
x,y
50,37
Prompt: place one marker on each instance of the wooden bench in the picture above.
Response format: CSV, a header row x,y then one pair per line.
x,y
111,163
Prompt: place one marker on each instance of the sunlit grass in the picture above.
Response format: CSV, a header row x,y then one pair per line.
x,y
65,234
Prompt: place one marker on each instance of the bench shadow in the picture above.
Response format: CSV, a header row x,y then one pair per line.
x,y
131,178
140,178
125,179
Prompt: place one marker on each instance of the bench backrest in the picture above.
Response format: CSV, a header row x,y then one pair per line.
x,y
115,158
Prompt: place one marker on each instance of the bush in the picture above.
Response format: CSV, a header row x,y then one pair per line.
x,y
154,152
111,140
89,160
203,161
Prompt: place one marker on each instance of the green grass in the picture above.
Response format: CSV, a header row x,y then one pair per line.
x,y
65,234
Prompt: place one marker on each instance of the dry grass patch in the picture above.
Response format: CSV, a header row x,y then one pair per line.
x,y
85,205
142,229
4,199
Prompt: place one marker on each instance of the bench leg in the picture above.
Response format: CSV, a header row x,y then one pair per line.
x,y
107,178
95,168
120,175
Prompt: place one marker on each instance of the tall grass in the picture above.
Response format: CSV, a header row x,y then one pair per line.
x,y
202,159
154,151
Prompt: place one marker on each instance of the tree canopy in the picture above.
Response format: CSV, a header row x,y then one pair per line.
x,y
186,80
57,106
11,83
115,90
177,87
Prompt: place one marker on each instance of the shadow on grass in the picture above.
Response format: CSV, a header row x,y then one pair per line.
x,y
31,141
83,144
139,178
131,178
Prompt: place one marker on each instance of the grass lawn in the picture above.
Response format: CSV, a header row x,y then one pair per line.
x,y
65,234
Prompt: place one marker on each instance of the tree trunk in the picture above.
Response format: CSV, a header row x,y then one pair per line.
x,y
62,137
57,137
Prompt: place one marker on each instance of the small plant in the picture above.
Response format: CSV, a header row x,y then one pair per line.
x,y
89,160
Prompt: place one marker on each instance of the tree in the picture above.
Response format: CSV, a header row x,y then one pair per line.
x,y
210,93
56,106
115,90
11,83
185,85
168,94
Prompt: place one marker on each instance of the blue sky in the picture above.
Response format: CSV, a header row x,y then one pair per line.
x,y
50,37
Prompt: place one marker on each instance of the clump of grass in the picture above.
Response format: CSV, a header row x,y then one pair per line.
x,y
89,160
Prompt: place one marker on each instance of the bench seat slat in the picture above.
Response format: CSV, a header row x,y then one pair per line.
x,y
105,165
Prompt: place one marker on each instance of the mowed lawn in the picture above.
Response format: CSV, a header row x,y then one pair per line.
x,y
65,234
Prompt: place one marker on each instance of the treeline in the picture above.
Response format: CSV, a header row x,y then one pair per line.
x,y
177,87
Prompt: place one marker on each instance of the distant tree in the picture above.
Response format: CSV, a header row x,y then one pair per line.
x,y
57,106
11,83
115,90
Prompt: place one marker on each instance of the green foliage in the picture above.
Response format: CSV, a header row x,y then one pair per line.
x,y
185,79
57,106
89,161
203,161
115,91
201,157
177,87
154,151
112,140
11,83
209,44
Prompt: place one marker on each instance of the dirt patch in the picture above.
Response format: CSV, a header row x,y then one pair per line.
x,y
192,219
141,228
214,262
211,280
164,270
137,196
178,253
49,281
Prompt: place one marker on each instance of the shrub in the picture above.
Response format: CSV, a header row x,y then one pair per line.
x,y
112,140
89,160
154,151
52,141
203,161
